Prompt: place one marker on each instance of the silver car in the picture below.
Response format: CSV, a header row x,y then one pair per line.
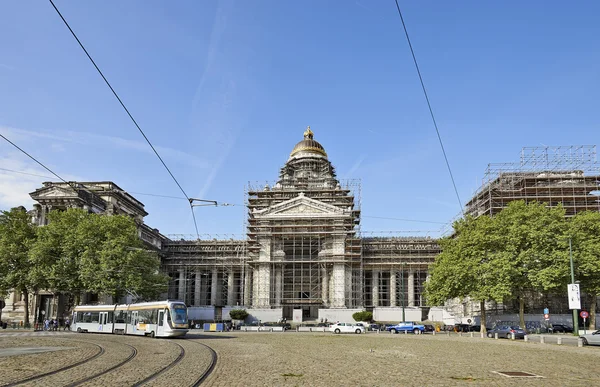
x,y
591,338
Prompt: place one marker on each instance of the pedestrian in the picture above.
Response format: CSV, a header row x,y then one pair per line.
x,y
67,324
46,324
55,324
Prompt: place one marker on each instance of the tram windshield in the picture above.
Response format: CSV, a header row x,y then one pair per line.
x,y
179,314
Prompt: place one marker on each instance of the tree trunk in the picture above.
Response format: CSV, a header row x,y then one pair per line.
x,y
522,312
483,321
26,297
594,298
77,298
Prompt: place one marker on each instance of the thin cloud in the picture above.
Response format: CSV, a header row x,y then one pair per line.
x,y
91,139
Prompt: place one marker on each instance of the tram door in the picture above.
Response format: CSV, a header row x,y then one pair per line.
x,y
160,330
134,321
103,320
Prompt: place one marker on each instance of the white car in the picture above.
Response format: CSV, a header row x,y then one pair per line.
x,y
591,338
346,328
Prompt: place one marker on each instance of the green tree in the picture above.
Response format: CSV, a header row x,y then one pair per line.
x,y
468,266
117,262
531,244
238,314
363,316
17,235
57,252
584,229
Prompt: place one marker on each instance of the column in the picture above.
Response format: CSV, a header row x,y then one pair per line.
x,y
254,287
204,290
214,287
248,286
325,286
411,287
181,287
339,285
349,300
393,298
197,288
375,288
278,285
264,286
339,272
230,288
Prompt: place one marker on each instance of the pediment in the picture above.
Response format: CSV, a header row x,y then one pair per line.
x,y
53,192
300,206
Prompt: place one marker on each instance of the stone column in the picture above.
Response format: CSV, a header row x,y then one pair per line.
x,y
393,297
349,299
197,288
214,288
181,288
248,286
204,290
231,288
263,291
339,272
325,286
254,287
411,287
375,288
278,286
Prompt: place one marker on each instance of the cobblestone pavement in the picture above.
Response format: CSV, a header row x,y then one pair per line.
x,y
303,359
324,359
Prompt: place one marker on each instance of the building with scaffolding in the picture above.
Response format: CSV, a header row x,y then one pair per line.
x,y
566,175
304,255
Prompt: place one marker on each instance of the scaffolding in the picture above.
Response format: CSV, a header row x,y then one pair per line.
x,y
566,175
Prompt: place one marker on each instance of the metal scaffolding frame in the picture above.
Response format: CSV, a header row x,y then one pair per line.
x,y
567,175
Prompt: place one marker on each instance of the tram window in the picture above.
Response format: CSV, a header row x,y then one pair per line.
x,y
120,316
87,317
95,316
109,318
128,317
153,316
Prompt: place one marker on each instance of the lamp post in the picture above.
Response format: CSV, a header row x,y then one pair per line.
x,y
575,319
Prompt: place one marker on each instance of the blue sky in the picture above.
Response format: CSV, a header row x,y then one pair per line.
x,y
225,90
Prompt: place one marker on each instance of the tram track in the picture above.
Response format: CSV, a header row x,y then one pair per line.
x,y
101,351
164,369
133,354
211,366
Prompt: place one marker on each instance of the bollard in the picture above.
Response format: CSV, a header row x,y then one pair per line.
x,y
472,334
482,334
559,341
448,333
459,334
512,336
406,332
526,338
542,340
434,332
580,342
379,330
496,335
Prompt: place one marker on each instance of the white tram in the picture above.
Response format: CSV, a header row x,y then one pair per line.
x,y
154,319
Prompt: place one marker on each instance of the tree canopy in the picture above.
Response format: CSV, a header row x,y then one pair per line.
x,y
77,252
502,258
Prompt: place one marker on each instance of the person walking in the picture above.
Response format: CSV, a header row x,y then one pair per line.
x,y
67,325
55,324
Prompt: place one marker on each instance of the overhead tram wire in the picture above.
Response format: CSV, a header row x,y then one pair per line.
x,y
33,158
129,114
223,204
429,106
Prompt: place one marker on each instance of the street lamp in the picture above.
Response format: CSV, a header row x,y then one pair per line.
x,y
575,319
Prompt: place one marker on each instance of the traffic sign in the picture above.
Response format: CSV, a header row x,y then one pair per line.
x,y
546,311
547,316
468,320
584,314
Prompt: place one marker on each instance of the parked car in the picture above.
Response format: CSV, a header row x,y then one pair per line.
x,y
347,328
374,327
475,328
461,327
506,331
408,326
591,338
429,328
560,328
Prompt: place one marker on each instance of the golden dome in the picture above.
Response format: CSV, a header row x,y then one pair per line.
x,y
308,145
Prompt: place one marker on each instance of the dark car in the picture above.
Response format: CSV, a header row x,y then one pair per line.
x,y
475,328
505,331
560,328
429,328
461,327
